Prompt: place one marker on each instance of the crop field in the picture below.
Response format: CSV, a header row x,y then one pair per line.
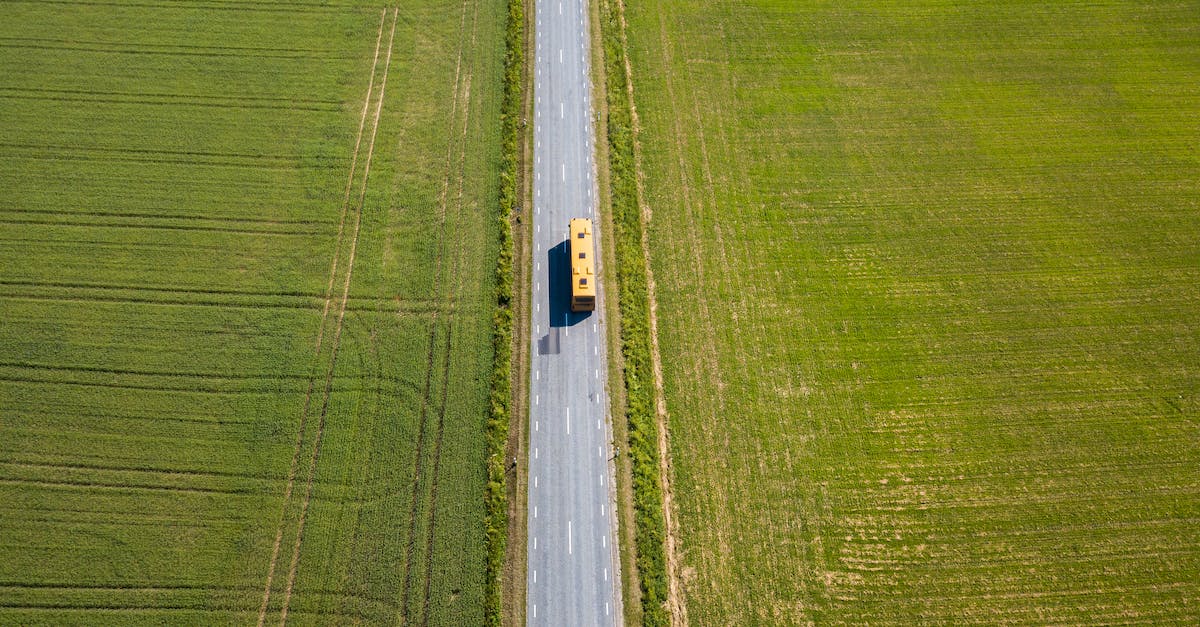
x,y
246,291
928,284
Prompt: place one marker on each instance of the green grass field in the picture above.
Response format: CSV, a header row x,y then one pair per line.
x,y
927,279
246,291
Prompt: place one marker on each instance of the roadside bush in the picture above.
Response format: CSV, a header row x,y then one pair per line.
x,y
635,329
496,524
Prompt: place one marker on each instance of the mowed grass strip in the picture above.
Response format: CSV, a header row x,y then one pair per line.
x,y
175,177
927,277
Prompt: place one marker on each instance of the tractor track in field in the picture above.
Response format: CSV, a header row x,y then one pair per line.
x,y
84,224
337,336
416,482
343,598
75,466
64,484
146,295
246,101
461,98
437,462
450,297
287,496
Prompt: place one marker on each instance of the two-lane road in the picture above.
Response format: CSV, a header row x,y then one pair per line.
x,y
572,577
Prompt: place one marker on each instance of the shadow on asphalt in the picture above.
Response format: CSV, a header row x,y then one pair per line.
x,y
558,276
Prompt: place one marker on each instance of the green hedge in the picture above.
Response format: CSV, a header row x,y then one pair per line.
x,y
635,329
501,396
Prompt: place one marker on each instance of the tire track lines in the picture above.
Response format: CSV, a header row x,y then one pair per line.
x,y
437,462
289,8
312,466
215,390
82,155
68,96
433,327
118,587
140,295
675,601
217,376
343,597
180,98
706,364
66,484
333,268
161,302
177,472
417,465
131,45
178,51
454,287
84,224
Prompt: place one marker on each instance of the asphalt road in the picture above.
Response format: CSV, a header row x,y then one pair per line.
x,y
572,571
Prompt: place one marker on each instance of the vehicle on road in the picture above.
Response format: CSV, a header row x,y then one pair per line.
x,y
583,266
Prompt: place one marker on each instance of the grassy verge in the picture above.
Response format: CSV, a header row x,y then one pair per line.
x,y
635,325
502,338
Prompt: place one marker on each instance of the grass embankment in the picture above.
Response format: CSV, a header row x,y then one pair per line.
x,y
502,333
633,292
228,355
927,273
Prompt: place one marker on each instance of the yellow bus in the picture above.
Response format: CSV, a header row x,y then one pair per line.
x,y
583,266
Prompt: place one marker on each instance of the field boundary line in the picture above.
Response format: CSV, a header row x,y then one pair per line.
x,y
677,609
337,335
287,495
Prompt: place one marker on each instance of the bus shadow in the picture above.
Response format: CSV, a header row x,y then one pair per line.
x,y
558,273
